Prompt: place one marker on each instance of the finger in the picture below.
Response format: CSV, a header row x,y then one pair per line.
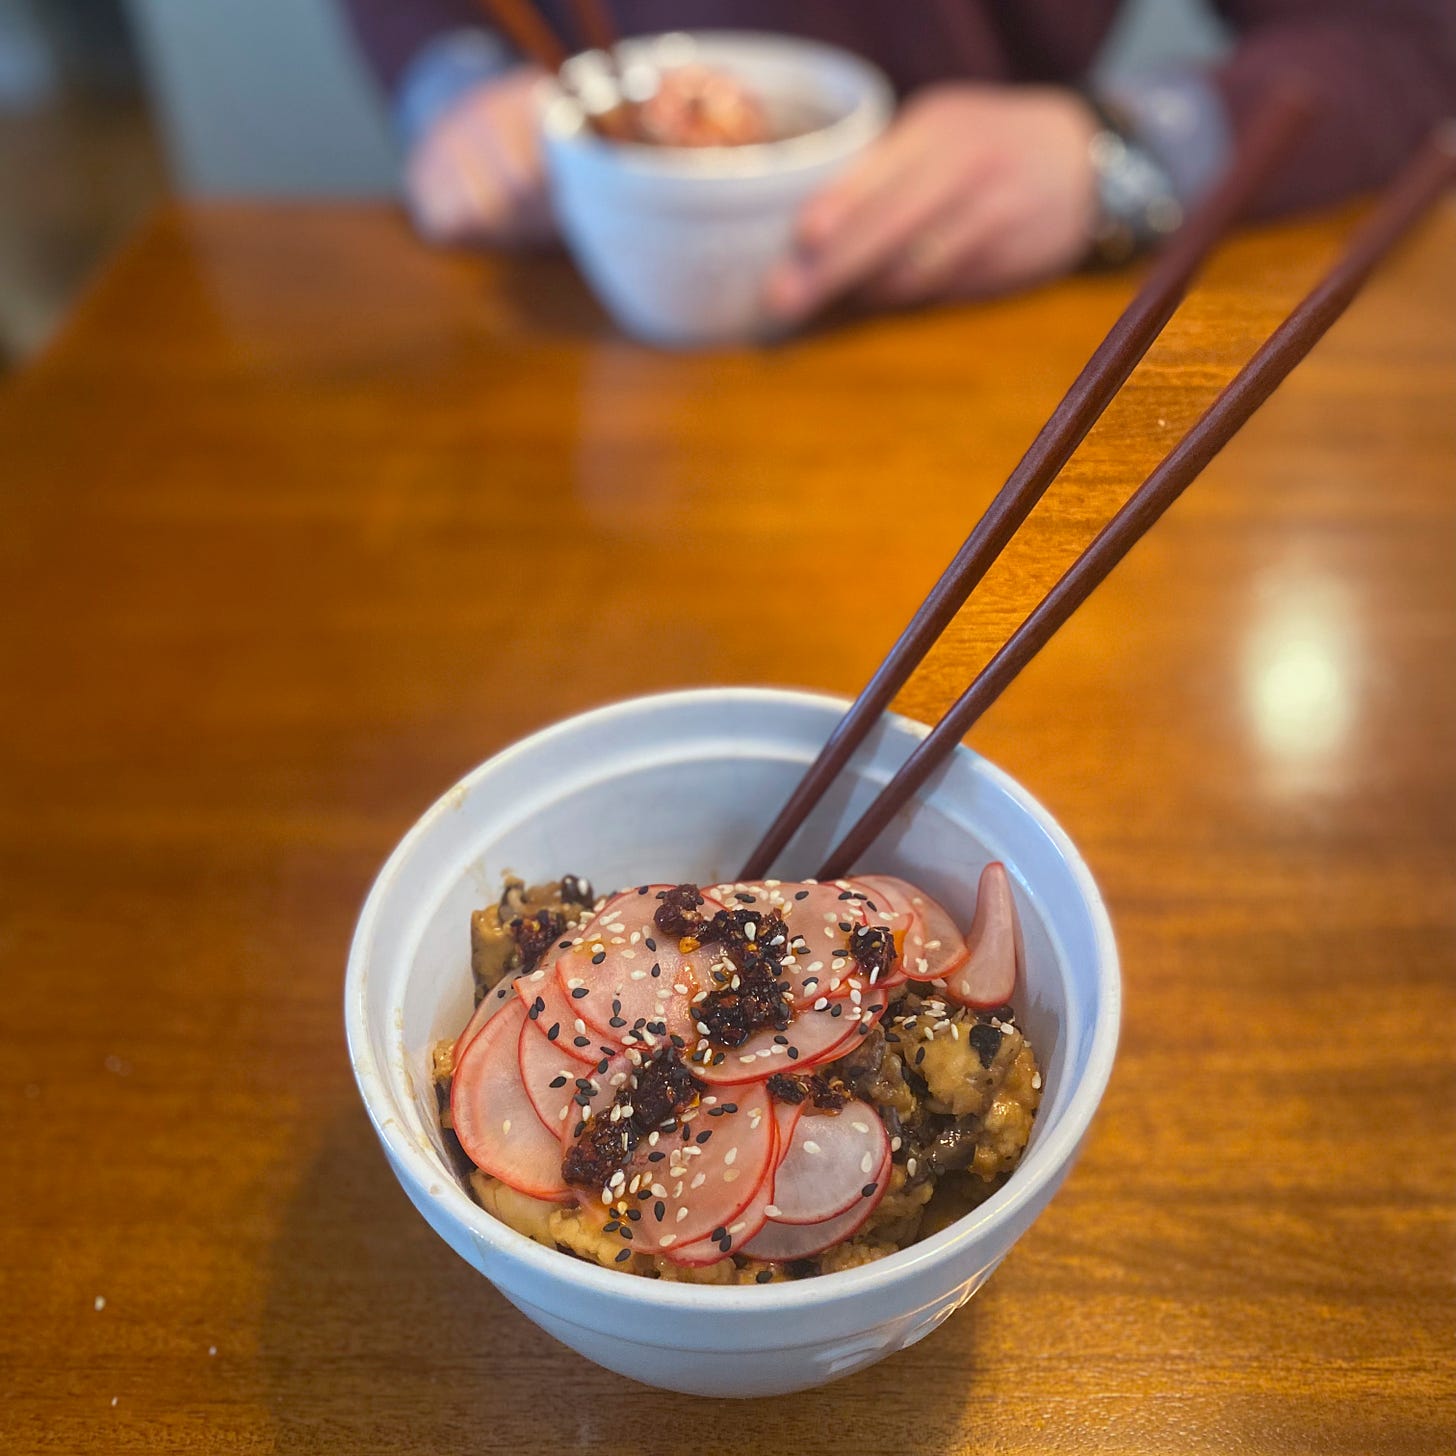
x,y
864,246
854,192
949,258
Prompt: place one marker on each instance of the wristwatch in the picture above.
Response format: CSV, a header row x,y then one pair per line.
x,y
1136,204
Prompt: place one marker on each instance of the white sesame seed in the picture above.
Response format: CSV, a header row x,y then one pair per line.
x,y
668,1240
730,1174
867,1164
860,1126
730,1156
658,1191
506,1127
811,1146
682,1213
698,1179
771,1209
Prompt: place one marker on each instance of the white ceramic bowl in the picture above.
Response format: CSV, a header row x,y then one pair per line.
x,y
677,241
678,787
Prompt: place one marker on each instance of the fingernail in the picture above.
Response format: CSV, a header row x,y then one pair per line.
x,y
786,291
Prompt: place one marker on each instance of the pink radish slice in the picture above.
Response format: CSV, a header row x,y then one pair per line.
x,y
627,971
933,947
549,1077
781,1242
493,1117
994,953
811,1038
698,1179
553,1014
829,1160
752,1218
490,1003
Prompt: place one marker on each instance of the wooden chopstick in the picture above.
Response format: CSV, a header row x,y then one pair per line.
x,y
594,22
1265,145
1416,189
526,29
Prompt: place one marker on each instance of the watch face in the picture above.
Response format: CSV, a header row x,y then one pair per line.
x,y
1136,205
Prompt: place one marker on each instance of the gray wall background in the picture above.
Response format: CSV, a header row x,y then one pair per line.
x,y
271,96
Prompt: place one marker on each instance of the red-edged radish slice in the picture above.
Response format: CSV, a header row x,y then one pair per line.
x,y
811,1038
933,947
596,1088
693,1181
549,1077
489,1004
817,916
782,1242
552,1013
829,1160
630,981
752,1218
994,953
493,1117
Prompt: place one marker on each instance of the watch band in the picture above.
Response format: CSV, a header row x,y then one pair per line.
x,y
1137,206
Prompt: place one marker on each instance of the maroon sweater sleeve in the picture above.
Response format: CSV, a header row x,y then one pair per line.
x,y
1382,71
392,31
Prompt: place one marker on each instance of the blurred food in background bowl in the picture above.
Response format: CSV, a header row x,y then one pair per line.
x,y
604,794
677,240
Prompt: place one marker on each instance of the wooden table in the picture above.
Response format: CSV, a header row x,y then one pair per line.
x,y
301,521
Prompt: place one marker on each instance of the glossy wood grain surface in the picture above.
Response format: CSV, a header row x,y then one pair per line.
x,y
301,521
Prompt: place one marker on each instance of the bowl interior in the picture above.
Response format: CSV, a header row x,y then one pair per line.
x,y
679,787
807,88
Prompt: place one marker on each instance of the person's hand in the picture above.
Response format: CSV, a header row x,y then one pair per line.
x,y
975,189
476,176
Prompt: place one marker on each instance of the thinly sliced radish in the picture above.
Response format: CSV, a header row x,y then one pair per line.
x,y
755,1215
693,1181
821,962
812,1037
933,947
628,979
781,1242
994,953
498,996
829,1160
549,1076
553,1014
493,1117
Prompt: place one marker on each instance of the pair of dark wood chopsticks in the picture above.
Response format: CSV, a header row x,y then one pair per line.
x,y
1406,200
531,34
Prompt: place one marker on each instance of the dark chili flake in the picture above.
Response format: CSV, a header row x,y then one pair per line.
x,y
679,915
664,1088
599,1151
577,891
873,948
986,1040
533,935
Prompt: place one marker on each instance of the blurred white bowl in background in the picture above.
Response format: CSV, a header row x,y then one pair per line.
x,y
677,241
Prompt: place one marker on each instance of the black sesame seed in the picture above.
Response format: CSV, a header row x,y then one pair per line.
x,y
677,1041
611,1226
656,1156
730,1107
793,1054
725,1243
868,1190
656,970
650,943
702,1137
616,1021
659,1210
643,889
716,1111
717,1233
624,1255
563,945
581,1041
598,958
802,895
836,1009
919,1055
581,991
554,1032
558,1081
764,1276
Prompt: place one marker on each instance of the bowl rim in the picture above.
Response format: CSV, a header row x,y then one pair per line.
x,y
866,118
1049,1159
